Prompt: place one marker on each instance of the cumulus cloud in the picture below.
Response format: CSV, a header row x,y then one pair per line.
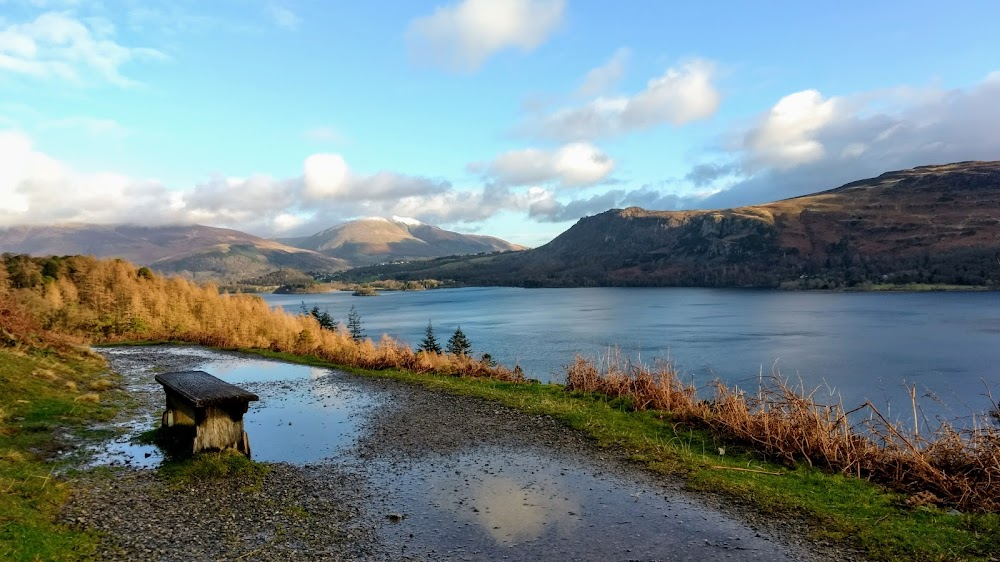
x,y
601,79
38,189
786,136
549,209
573,165
58,46
462,36
327,177
679,96
807,143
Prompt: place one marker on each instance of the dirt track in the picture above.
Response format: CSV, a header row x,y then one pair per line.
x,y
427,476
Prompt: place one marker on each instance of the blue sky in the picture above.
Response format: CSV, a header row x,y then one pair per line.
x,y
507,117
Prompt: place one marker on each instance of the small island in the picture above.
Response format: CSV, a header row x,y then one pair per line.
x,y
365,291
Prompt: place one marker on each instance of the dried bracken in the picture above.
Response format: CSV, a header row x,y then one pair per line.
x,y
959,467
110,301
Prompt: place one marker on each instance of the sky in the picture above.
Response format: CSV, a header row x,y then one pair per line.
x,y
513,118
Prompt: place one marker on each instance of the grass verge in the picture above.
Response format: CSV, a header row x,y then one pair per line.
x,y
208,466
837,507
45,398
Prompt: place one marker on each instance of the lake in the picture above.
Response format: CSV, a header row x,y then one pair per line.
x,y
863,346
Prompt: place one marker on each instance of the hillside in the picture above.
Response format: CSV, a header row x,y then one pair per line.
x,y
376,240
201,251
931,224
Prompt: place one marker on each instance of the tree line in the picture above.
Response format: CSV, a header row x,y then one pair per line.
x,y
81,299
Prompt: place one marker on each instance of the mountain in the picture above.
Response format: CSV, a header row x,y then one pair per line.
x,y
931,224
201,251
376,240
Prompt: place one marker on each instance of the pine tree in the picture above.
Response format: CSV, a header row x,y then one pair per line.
x,y
430,343
458,344
325,320
354,324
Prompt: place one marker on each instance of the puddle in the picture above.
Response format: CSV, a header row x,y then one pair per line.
x,y
489,490
494,503
125,451
305,414
297,420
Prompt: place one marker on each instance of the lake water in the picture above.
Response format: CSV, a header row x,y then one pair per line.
x,y
863,346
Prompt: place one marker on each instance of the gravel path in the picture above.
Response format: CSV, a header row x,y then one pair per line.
x,y
429,477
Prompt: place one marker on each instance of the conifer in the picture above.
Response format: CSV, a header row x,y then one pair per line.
x,y
430,343
458,344
354,325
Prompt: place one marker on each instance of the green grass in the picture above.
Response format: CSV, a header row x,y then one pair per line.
x,y
838,507
40,398
214,466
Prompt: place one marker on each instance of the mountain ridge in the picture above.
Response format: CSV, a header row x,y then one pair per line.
x,y
373,240
213,253
932,224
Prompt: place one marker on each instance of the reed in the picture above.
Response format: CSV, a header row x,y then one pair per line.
x,y
109,301
951,466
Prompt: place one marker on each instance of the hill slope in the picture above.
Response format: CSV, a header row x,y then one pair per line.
x,y
375,240
932,224
202,251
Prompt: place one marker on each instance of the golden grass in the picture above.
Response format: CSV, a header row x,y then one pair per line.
x,y
109,301
46,374
950,466
101,385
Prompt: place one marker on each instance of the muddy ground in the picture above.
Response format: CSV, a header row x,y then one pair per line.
x,y
424,476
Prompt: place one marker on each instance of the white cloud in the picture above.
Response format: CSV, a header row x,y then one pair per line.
x,y
601,79
38,189
549,209
679,96
462,36
786,136
807,143
58,46
573,165
35,188
326,176
285,18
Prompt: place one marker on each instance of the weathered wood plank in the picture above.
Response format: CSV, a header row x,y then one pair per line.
x,y
203,389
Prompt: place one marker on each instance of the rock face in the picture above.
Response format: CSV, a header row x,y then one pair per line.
x,y
376,240
932,224
201,251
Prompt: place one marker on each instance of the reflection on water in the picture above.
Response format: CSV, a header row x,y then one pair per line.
x,y
511,508
494,503
123,450
305,414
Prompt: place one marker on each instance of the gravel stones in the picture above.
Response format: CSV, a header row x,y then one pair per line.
x,y
351,508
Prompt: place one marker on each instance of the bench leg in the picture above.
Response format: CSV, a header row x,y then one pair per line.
x,y
244,445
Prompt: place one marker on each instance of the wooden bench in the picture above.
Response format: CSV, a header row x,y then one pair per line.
x,y
207,410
